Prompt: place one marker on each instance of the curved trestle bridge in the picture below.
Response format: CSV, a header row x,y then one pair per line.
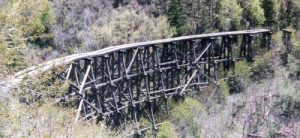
x,y
128,82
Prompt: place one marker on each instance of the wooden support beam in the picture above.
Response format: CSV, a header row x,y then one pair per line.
x,y
132,81
80,91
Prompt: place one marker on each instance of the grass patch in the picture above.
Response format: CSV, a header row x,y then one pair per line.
x,y
167,130
187,109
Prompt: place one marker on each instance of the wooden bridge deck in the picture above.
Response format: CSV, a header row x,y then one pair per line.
x,y
65,60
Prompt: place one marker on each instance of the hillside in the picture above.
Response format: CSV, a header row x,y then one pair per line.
x,y
256,98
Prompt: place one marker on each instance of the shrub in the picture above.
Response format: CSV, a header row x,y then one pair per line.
x,y
239,77
187,109
229,15
167,130
293,66
47,120
277,38
224,89
44,87
126,26
292,58
253,13
295,43
262,67
29,18
178,17
40,26
289,98
184,114
23,21
235,84
5,58
269,12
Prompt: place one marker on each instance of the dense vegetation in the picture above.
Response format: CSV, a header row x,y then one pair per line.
x,y
34,31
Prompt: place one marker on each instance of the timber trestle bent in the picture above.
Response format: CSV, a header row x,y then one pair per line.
x,y
129,82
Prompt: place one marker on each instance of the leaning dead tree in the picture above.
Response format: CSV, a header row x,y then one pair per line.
x,y
133,82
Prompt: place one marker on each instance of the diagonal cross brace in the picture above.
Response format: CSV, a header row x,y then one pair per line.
x,y
132,60
189,81
200,56
80,91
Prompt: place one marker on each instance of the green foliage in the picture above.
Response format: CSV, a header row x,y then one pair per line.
x,y
289,101
145,123
277,38
285,14
255,13
239,77
17,63
269,12
295,43
229,15
293,65
46,16
262,67
242,69
40,26
177,17
11,57
36,27
187,109
272,128
47,120
44,87
5,56
29,18
127,26
224,88
289,12
235,84
185,113
167,130
23,23
296,13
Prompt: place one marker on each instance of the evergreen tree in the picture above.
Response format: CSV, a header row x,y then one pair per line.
x,y
177,17
296,13
229,15
269,12
285,14
253,14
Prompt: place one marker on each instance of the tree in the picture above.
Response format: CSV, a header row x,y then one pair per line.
x,y
229,15
23,22
201,15
125,26
296,13
74,16
253,14
285,14
269,12
177,17
289,13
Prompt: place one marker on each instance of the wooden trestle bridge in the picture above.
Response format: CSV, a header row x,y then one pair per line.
x,y
128,82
